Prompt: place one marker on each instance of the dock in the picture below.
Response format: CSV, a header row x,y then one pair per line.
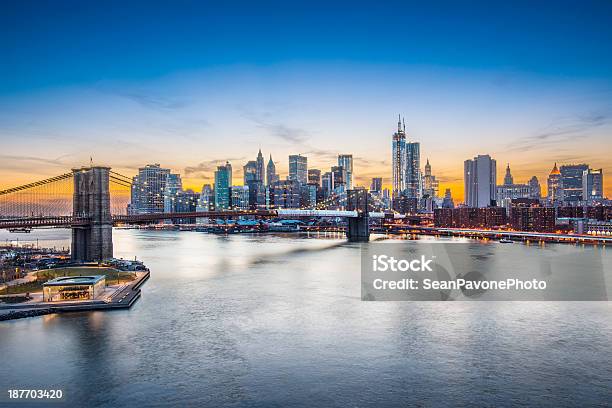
x,y
124,298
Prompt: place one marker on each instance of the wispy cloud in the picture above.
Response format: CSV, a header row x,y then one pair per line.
x,y
153,101
206,168
43,160
561,130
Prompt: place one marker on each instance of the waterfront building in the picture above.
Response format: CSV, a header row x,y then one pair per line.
x,y
398,156
466,217
570,211
535,191
271,176
480,176
70,288
240,198
430,184
553,193
532,218
298,168
592,185
443,217
571,182
595,212
285,194
346,162
223,177
592,227
148,190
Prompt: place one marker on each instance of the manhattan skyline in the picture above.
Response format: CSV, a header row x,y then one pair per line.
x,y
193,93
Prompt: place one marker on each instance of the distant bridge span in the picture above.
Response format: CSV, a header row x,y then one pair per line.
x,y
91,220
72,221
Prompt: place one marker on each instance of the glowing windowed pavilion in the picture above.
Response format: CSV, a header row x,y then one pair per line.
x,y
74,288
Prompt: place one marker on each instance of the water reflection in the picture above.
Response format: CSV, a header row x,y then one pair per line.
x,y
273,320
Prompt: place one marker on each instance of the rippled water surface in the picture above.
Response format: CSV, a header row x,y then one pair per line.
x,y
248,320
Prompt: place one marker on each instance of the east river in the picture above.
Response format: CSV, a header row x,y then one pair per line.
x,y
277,320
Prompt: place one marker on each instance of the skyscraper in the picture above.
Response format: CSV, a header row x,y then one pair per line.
x,y
508,179
261,172
430,183
507,192
346,161
207,199
286,194
592,184
554,185
535,191
250,172
571,182
240,197
228,167
257,191
448,199
174,185
271,175
398,153
339,173
206,202
185,201
413,169
223,175
376,185
298,168
479,180
148,190
314,177
327,184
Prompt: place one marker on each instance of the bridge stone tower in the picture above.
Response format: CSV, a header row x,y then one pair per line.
x,y
94,241
358,229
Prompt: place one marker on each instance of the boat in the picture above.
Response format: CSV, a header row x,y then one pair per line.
x,y
506,241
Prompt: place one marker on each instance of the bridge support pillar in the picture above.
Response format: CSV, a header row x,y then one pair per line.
x,y
92,242
358,229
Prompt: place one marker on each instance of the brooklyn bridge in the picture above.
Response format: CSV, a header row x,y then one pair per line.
x,y
91,200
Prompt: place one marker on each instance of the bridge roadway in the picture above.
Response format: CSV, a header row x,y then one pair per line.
x,y
73,221
499,234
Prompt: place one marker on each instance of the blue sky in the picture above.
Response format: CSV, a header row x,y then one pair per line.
x,y
189,84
